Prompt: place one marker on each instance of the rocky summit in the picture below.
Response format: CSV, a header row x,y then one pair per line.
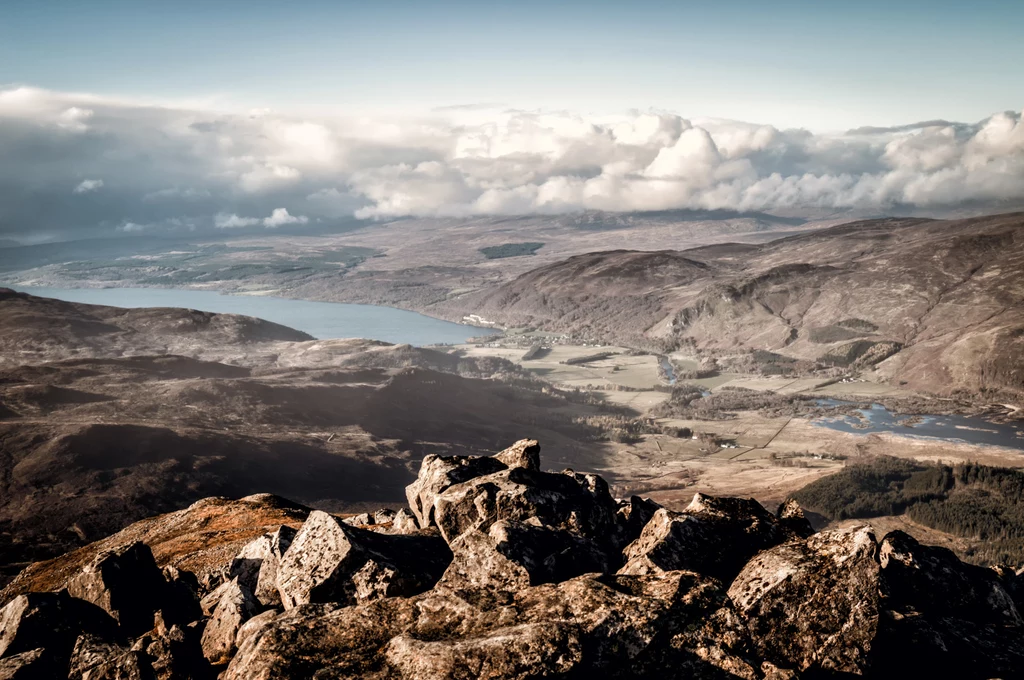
x,y
499,569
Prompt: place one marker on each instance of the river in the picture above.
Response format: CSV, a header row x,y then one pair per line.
x,y
322,320
949,428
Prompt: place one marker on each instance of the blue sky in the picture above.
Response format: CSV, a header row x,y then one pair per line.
x,y
824,66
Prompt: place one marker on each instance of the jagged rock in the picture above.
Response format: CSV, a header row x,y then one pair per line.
x,y
714,536
437,473
52,621
330,561
126,584
95,659
175,654
613,627
257,563
943,617
565,501
632,515
813,605
525,453
237,605
384,516
181,599
514,555
360,520
792,517
212,598
404,522
253,625
532,650
29,665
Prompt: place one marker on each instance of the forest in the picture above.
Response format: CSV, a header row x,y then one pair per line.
x,y
968,500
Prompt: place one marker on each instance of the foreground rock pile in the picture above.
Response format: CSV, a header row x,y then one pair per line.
x,y
501,570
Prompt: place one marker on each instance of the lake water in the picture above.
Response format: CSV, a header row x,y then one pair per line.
x,y
950,428
322,320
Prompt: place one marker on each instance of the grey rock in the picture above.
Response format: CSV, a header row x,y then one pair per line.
x,y
714,536
792,517
514,555
813,605
613,627
237,605
126,584
254,624
360,520
404,522
384,516
567,501
52,621
330,561
941,617
437,473
29,665
525,453
95,659
532,650
257,563
632,515
181,598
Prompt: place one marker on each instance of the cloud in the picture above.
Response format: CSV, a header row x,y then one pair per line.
x,y
85,186
188,168
280,217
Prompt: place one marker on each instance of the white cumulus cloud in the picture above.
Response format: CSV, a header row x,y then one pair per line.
x,y
280,217
168,167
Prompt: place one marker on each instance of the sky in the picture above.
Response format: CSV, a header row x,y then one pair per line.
x,y
272,111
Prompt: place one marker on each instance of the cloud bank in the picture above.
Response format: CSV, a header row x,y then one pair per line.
x,y
185,169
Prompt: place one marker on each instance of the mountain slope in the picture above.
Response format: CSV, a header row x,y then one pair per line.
x,y
945,298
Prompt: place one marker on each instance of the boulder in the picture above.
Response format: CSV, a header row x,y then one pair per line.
x,y
30,665
567,501
330,561
181,599
793,519
941,617
532,650
514,555
525,453
384,516
125,583
437,473
813,605
613,627
253,625
632,515
96,659
175,654
361,520
257,563
237,605
714,536
404,522
52,621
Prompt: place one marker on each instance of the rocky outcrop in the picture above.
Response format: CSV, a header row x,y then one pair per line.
x,y
25,666
330,561
607,627
52,621
257,564
236,605
713,536
522,574
126,584
813,604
